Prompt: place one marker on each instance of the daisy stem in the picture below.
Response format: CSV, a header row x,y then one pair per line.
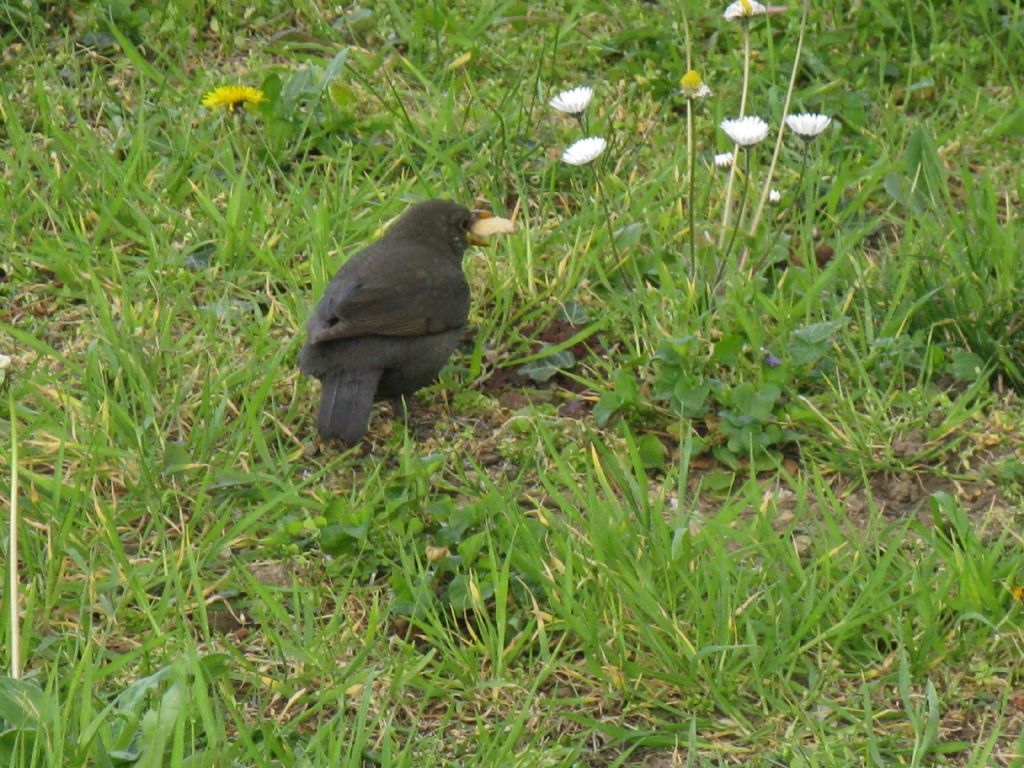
x,y
807,238
12,546
686,35
607,214
766,188
739,217
688,44
728,198
746,66
691,201
677,175
743,107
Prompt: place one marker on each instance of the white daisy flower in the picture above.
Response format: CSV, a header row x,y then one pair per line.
x,y
574,101
744,9
693,87
774,196
808,124
723,160
584,151
700,92
746,131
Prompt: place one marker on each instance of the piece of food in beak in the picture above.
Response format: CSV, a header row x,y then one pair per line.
x,y
486,224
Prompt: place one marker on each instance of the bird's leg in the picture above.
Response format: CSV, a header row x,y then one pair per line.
x,y
399,408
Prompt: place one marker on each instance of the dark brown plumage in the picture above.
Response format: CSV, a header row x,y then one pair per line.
x,y
390,318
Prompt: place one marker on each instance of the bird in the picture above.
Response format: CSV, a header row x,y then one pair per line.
x,y
391,317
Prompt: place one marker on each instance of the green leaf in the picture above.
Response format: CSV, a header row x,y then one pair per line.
x,y
271,87
897,188
334,67
754,402
575,312
811,343
299,83
462,519
652,451
358,20
727,350
677,350
547,367
924,166
626,385
341,94
966,366
176,458
718,480
816,332
606,407
280,130
693,397
21,703
628,236
471,546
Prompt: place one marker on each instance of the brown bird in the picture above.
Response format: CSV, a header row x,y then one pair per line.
x,y
390,318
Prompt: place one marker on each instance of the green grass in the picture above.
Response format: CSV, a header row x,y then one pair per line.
x,y
772,519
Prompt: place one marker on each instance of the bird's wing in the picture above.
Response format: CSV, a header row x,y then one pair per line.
x,y
377,302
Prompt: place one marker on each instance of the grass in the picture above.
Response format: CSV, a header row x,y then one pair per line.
x,y
646,518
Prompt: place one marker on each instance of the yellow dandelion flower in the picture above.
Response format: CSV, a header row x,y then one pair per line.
x,y
233,98
1018,593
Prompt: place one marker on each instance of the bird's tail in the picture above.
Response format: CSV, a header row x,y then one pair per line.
x,y
345,403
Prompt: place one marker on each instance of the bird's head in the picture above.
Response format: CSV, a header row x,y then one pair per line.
x,y
441,221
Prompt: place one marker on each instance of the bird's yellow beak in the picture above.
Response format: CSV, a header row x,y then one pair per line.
x,y
478,216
